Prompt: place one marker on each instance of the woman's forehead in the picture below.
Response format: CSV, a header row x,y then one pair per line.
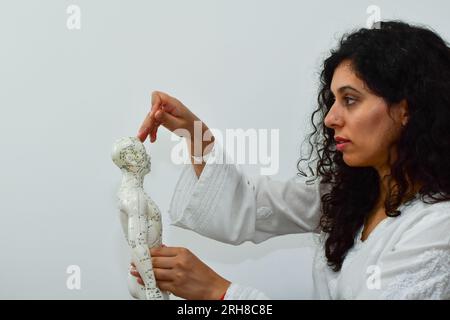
x,y
345,77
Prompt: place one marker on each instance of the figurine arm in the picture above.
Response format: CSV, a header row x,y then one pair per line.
x,y
154,234
123,216
138,221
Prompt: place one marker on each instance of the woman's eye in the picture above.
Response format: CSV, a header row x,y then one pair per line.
x,y
349,101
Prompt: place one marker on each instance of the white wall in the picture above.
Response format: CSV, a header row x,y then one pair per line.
x,y
66,95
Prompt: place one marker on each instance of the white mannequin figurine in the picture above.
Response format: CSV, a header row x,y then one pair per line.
x,y
139,215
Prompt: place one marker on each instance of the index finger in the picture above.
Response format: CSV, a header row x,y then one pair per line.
x,y
150,122
164,252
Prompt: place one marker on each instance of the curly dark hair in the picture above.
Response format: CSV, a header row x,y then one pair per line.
x,y
397,61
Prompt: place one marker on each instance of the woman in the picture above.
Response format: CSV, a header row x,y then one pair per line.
x,y
380,187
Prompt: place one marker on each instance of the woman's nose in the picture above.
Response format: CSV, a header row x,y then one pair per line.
x,y
332,119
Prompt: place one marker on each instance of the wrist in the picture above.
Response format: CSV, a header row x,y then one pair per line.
x,y
219,290
201,150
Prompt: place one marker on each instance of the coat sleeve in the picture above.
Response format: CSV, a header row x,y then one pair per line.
x,y
240,292
227,205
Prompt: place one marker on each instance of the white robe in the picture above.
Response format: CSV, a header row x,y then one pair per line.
x,y
406,257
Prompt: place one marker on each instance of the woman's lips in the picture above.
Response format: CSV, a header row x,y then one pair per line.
x,y
341,145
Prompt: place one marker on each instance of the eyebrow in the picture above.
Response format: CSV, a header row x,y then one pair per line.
x,y
341,89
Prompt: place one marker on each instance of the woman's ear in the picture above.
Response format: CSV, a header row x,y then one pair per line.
x,y
404,112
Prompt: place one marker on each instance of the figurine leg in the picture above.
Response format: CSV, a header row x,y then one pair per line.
x,y
143,263
136,290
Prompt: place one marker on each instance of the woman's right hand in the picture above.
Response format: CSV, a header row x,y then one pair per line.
x,y
172,114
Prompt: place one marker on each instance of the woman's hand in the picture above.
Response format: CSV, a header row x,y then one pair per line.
x,y
180,272
172,114
176,117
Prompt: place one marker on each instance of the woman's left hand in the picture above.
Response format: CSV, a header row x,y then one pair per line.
x,y
179,271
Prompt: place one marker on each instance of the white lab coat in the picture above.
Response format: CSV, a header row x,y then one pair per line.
x,y
407,257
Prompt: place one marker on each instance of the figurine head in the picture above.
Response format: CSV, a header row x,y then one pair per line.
x,y
129,155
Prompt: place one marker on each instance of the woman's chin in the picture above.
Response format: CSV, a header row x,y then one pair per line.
x,y
352,162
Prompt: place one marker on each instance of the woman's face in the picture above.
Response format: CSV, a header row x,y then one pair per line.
x,y
363,118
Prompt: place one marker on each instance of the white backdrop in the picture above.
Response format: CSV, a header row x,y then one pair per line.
x,y
66,95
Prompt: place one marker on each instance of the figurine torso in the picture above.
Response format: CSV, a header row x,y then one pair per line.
x,y
128,199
